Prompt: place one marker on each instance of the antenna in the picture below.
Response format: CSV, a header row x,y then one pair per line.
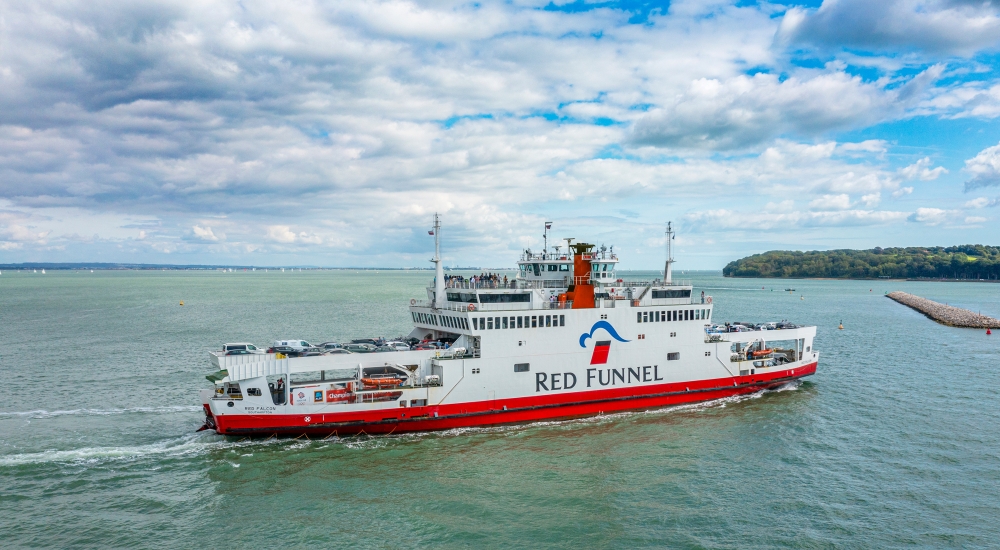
x,y
667,275
545,237
439,297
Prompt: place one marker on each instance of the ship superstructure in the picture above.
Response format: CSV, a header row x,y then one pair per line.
x,y
565,337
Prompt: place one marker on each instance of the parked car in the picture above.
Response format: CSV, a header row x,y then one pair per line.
x,y
398,346
336,351
241,349
294,344
425,346
330,345
359,348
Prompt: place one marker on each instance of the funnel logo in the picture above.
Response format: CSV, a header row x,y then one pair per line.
x,y
601,347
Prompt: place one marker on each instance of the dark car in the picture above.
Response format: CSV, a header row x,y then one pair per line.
x,y
362,347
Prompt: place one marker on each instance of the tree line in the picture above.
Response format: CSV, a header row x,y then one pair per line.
x,y
971,261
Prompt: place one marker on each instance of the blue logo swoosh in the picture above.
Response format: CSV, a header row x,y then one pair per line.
x,y
600,324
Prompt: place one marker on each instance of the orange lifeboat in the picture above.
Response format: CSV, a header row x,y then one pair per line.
x,y
761,353
382,382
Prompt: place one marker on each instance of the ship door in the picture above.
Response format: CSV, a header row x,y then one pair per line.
x,y
277,384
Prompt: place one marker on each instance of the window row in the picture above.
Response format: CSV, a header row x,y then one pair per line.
x,y
537,269
472,298
525,321
671,315
457,323
686,293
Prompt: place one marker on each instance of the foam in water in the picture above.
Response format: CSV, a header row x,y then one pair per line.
x,y
37,414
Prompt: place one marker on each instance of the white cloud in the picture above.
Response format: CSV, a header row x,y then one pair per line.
x,y
768,221
281,234
985,168
932,25
747,110
936,216
203,233
871,200
831,202
901,192
982,202
920,170
22,234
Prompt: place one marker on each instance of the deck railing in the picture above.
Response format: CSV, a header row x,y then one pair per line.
x,y
502,306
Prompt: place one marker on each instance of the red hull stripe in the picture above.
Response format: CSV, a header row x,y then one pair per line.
x,y
508,411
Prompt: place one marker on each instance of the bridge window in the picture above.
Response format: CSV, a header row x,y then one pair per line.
x,y
505,298
686,293
553,267
564,267
522,367
674,356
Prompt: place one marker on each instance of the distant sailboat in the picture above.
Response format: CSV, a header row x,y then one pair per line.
x,y
43,272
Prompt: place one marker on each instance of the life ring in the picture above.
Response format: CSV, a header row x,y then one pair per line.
x,y
472,307
413,301
708,299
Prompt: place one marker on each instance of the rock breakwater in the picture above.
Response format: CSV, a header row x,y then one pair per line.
x,y
946,315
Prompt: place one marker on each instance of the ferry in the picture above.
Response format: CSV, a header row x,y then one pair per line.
x,y
566,337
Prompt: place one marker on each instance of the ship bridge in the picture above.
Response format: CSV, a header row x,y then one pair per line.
x,y
584,277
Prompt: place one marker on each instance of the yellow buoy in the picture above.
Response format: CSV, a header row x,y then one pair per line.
x,y
182,302
841,327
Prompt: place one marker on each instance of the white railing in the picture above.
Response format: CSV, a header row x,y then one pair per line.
x,y
500,306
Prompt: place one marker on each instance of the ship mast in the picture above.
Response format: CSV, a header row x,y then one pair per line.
x,y
439,297
545,237
667,271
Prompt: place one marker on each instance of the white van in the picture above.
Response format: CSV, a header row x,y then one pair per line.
x,y
297,345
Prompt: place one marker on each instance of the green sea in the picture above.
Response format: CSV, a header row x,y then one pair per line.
x,y
894,443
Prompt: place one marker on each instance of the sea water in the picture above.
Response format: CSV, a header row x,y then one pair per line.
x,y
893,443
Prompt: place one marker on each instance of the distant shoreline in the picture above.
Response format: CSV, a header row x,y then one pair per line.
x,y
915,279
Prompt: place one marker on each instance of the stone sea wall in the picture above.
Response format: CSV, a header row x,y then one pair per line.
x,y
947,315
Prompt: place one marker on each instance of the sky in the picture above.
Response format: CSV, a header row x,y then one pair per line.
x,y
329,133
